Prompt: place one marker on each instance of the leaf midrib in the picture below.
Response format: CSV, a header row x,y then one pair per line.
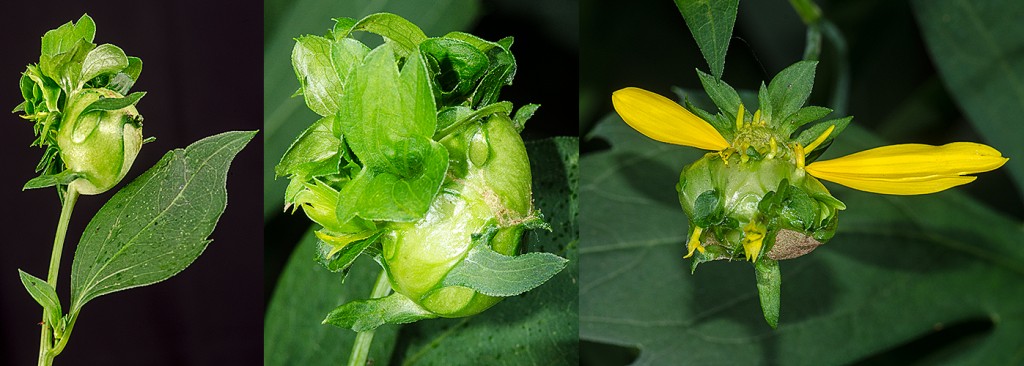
x,y
131,242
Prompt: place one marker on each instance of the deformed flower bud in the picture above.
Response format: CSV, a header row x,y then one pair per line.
x,y
98,146
418,255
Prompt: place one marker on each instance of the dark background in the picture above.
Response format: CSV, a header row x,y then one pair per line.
x,y
202,69
547,53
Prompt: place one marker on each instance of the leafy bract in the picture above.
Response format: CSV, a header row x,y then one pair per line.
x,y
44,294
318,78
896,268
314,152
363,315
711,23
495,274
282,112
158,224
396,30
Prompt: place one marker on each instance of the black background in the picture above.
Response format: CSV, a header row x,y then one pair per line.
x,y
202,69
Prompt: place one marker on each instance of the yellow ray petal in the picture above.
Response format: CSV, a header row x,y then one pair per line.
x,y
909,168
662,119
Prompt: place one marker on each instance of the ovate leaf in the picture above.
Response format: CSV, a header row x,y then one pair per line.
x,y
159,223
380,195
789,89
113,104
321,85
495,274
395,29
769,281
44,294
104,59
369,314
710,22
314,153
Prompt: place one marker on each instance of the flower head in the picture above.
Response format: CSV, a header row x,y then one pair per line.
x,y
758,197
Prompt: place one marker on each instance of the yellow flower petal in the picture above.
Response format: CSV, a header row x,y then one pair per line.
x,y
909,168
662,119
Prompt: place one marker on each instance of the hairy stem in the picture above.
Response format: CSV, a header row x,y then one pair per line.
x,y
361,347
46,353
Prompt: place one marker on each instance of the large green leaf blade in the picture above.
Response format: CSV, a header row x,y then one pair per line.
x,y
711,23
977,48
158,224
897,268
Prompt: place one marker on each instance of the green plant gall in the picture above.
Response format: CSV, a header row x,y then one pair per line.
x,y
493,191
98,146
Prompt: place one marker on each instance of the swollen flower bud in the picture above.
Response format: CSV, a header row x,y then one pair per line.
x,y
98,145
418,255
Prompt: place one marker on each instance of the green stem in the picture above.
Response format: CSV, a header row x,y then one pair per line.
x,y
361,347
46,337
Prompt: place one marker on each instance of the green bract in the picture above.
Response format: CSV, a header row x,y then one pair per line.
x,y
76,96
416,162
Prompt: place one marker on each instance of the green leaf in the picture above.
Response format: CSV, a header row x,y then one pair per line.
x,y
286,117
395,29
523,114
381,110
104,59
711,23
158,224
976,48
802,117
364,315
50,180
44,294
123,81
314,153
492,273
726,98
63,39
66,68
113,104
789,89
457,65
810,134
381,195
338,255
769,279
319,79
706,208
897,267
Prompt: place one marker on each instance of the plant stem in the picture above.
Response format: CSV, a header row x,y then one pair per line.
x,y
46,336
361,347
